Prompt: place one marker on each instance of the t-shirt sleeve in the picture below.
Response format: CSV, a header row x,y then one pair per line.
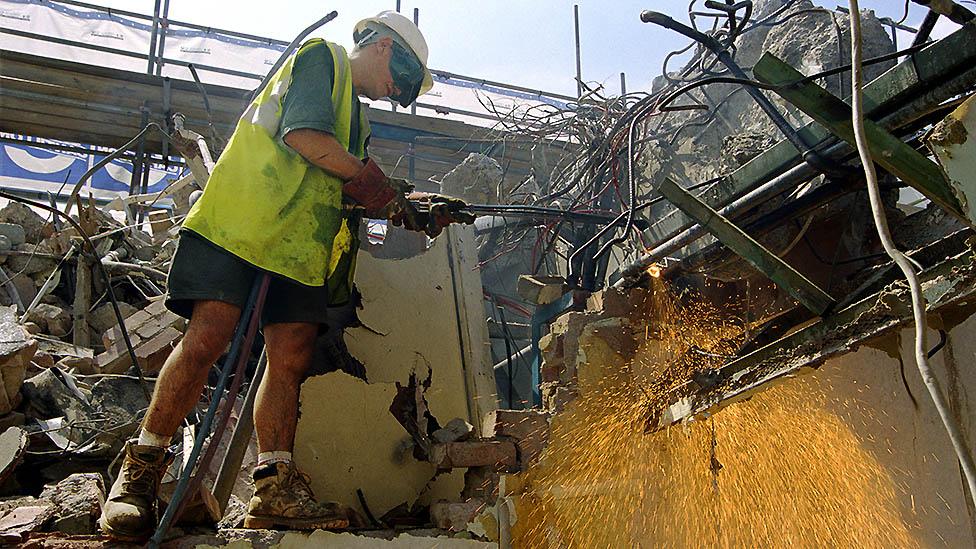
x,y
308,101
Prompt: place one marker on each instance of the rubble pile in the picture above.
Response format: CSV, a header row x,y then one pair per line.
x,y
69,394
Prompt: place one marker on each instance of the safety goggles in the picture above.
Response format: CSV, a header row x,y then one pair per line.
x,y
407,73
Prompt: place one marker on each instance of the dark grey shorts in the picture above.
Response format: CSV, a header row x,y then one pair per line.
x,y
202,270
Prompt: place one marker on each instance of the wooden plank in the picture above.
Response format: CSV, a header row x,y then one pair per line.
x,y
479,373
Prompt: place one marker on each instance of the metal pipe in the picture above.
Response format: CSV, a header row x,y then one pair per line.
x,y
925,29
162,37
152,38
623,84
952,10
579,66
230,467
775,186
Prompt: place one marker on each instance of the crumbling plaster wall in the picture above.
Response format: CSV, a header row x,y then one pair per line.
x,y
420,314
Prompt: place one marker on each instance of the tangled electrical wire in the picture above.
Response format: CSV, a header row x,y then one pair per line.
x,y
599,141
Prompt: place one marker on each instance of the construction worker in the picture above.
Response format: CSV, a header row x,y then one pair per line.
x,y
286,197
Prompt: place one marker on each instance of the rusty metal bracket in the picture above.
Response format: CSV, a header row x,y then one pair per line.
x,y
780,272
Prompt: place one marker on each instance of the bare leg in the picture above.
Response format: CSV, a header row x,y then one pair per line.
x,y
290,348
185,371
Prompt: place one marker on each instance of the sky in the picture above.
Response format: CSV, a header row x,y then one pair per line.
x,y
528,43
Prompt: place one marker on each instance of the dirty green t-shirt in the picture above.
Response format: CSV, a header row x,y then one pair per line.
x,y
308,102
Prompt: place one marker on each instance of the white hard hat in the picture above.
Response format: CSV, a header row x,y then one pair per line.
x,y
408,32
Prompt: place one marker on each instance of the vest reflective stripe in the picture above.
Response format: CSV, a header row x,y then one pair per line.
x,y
267,205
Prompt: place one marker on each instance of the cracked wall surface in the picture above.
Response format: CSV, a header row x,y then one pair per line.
x,y
347,439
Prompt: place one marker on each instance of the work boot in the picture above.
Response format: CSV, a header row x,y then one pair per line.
x,y
129,512
283,499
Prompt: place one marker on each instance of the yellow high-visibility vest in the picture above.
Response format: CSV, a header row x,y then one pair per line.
x,y
269,206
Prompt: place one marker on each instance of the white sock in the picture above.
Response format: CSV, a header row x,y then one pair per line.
x,y
267,458
147,438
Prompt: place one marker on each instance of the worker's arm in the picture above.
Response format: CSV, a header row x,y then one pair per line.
x,y
323,150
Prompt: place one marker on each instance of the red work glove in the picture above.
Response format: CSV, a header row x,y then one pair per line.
x,y
370,188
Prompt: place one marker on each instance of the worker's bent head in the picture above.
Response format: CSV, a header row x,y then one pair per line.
x,y
407,55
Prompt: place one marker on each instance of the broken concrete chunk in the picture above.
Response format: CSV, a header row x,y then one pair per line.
x,y
475,180
31,264
52,319
52,393
13,444
540,289
455,516
16,351
77,502
121,399
456,430
14,234
32,224
77,365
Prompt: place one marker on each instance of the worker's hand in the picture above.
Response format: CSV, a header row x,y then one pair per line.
x,y
375,192
432,212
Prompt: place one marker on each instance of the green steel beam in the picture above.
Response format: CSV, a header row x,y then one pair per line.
x,y
927,77
888,151
806,292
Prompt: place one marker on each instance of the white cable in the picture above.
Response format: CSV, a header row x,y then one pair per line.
x,y
918,301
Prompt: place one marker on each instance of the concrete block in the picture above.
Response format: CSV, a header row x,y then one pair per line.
x,y
455,516
473,454
615,301
103,318
14,233
540,289
77,501
52,319
16,351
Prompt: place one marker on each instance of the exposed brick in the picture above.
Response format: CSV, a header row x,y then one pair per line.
x,y
474,453
153,331
528,428
455,516
480,482
153,353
